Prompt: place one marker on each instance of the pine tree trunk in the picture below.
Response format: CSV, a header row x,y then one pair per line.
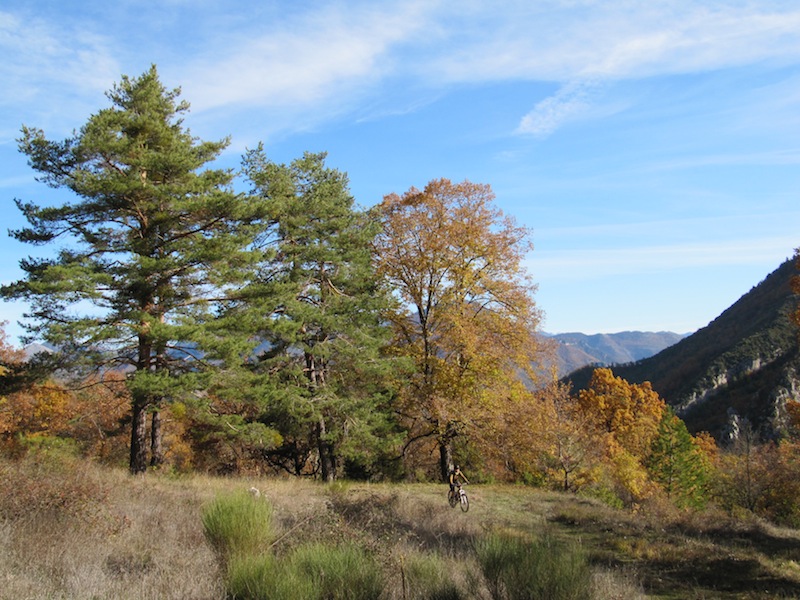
x,y
156,447
138,458
327,457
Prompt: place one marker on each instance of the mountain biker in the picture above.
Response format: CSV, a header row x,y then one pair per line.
x,y
455,474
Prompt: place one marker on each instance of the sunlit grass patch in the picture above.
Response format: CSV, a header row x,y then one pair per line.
x,y
339,572
264,577
312,572
238,523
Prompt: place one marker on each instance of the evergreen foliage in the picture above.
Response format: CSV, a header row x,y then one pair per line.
x,y
152,247
317,305
677,464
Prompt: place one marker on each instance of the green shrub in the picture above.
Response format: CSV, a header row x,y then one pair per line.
x,y
238,523
313,572
516,568
263,577
344,572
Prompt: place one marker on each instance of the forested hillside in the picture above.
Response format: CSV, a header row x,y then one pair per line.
x,y
743,365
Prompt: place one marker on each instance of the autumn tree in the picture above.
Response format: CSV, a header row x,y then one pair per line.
x,y
467,314
152,246
573,452
317,306
547,441
11,361
625,418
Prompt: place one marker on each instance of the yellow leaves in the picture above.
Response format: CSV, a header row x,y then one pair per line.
x,y
40,409
629,412
624,418
88,415
706,445
631,477
466,316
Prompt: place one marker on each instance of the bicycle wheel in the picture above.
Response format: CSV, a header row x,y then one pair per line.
x,y
452,499
464,502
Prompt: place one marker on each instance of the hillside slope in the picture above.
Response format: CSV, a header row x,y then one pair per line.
x,y
79,531
744,364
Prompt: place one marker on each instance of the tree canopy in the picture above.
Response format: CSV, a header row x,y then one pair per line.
x,y
151,247
317,304
467,316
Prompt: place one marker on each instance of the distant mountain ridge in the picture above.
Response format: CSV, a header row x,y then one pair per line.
x,y
745,364
576,350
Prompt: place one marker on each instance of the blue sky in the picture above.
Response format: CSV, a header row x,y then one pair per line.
x,y
653,148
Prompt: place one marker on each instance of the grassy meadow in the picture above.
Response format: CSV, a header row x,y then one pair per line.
x,y
72,529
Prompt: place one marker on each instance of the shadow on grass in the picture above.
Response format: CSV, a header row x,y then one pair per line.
x,y
423,525
716,578
685,561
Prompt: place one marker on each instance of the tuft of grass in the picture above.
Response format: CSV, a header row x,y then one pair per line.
x,y
238,524
608,585
264,577
345,572
518,568
311,572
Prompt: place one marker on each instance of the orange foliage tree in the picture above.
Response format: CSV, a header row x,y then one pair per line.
x,y
466,316
625,419
91,414
547,440
11,360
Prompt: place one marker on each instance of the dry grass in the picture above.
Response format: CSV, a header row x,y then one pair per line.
x,y
69,529
123,538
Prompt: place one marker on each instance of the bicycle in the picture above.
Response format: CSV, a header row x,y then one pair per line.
x,y
459,496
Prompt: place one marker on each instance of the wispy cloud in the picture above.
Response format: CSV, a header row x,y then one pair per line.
x,y
564,40
326,59
593,263
322,57
568,104
45,63
579,44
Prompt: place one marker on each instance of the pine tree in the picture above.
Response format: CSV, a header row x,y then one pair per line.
x,y
151,249
677,463
317,308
